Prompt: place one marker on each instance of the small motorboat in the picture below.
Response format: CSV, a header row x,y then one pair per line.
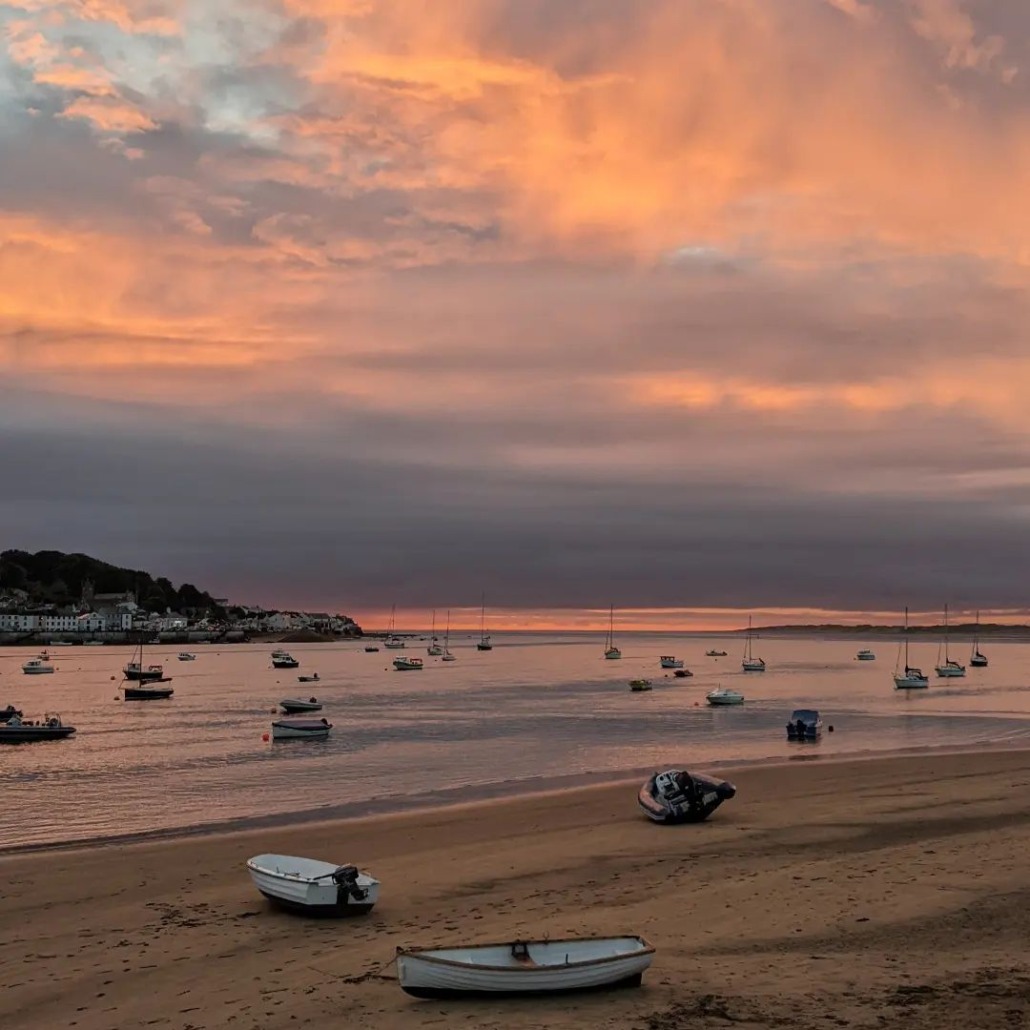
x,y
371,648
9,712
149,691
639,684
301,729
683,673
283,660
865,655
313,678
37,667
669,661
405,663
187,656
715,654
50,727
722,696
678,796
292,705
524,967
804,724
313,888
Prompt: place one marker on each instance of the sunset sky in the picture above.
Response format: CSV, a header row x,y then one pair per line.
x,y
692,304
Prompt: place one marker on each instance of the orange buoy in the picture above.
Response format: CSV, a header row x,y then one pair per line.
x,y
264,737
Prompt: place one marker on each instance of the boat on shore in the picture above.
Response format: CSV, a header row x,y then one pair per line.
x,y
724,696
804,724
50,727
405,663
679,796
524,967
313,888
37,667
292,705
301,729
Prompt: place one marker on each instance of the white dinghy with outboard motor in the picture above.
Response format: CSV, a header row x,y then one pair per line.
x,y
524,967
313,888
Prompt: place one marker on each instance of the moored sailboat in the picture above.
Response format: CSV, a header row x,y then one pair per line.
x,y
434,648
484,638
393,642
447,656
949,668
977,659
749,662
610,650
912,678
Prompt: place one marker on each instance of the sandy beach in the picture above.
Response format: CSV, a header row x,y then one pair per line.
x,y
867,893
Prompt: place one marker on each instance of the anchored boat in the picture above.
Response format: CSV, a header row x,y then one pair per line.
x,y
50,727
292,705
301,729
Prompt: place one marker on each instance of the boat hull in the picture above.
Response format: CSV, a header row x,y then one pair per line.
x,y
426,976
313,894
291,707
310,729
26,734
142,693
38,671
978,663
693,803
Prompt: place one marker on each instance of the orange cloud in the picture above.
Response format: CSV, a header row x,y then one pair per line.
x,y
109,114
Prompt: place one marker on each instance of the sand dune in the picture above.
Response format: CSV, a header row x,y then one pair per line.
x,y
875,893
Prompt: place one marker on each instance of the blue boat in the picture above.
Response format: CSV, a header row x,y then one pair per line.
x,y
804,724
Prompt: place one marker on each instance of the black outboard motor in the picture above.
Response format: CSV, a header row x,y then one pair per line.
x,y
346,880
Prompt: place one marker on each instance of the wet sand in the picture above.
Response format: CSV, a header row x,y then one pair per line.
x,y
854,894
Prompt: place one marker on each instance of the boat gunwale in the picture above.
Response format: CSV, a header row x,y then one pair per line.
x,y
425,954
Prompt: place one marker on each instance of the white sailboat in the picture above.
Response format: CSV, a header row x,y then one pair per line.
x,y
484,638
949,668
610,650
912,678
750,663
434,648
447,656
977,659
393,642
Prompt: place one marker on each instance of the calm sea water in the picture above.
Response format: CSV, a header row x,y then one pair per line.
x,y
536,711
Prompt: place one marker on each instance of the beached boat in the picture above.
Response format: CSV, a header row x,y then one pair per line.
x,y
50,727
484,643
804,724
683,673
912,678
949,668
610,650
313,678
301,729
749,662
405,663
865,655
313,888
977,658
723,696
678,796
186,656
668,661
9,712
149,691
37,667
524,967
715,654
284,660
639,684
291,705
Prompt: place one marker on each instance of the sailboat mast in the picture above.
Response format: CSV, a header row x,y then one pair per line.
x,y
906,638
946,658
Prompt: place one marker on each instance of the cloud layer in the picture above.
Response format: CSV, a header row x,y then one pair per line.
x,y
687,303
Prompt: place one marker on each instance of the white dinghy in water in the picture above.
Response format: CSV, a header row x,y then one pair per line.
x,y
524,967
301,729
313,888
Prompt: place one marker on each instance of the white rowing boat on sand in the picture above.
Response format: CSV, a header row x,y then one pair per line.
x,y
312,887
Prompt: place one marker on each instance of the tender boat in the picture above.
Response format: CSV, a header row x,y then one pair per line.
x,y
50,727
9,712
683,673
405,663
722,696
149,691
37,667
865,655
291,705
678,796
912,678
805,724
669,661
524,967
186,656
313,888
639,684
715,654
313,678
301,729
284,660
